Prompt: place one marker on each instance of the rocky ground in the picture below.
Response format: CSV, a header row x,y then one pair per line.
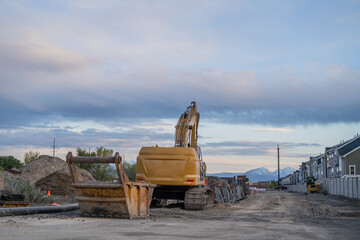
x,y
269,215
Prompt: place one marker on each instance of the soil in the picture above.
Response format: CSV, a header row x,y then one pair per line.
x,y
59,182
41,167
267,215
45,166
51,174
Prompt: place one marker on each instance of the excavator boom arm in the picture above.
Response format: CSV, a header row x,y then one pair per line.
x,y
186,130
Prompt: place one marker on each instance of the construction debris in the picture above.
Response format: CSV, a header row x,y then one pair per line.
x,y
228,190
12,200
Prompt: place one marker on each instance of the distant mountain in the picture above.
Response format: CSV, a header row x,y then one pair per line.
x,y
258,174
225,174
285,171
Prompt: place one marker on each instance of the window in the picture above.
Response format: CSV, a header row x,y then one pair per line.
x,y
352,170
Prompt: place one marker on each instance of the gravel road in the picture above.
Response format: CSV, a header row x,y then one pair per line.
x,y
269,215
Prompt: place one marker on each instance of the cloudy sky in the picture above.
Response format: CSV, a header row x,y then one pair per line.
x,y
118,74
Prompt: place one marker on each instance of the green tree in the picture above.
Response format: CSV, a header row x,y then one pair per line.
x,y
30,156
104,152
130,170
10,162
83,153
100,171
273,184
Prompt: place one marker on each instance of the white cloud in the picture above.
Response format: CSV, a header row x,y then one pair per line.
x,y
284,130
41,57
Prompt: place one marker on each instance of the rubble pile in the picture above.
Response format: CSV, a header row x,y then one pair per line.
x,y
226,190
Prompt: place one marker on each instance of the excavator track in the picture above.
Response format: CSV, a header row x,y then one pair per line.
x,y
198,198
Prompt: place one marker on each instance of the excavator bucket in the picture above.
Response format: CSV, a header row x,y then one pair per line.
x,y
120,199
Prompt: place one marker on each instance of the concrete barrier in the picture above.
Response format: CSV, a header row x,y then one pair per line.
x,y
300,187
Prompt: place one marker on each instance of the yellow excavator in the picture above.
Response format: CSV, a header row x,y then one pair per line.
x,y
179,172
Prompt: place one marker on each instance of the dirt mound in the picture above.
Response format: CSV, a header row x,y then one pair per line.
x,y
3,175
42,167
59,182
321,210
51,173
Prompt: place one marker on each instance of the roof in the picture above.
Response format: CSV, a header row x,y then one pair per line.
x,y
351,152
341,144
349,146
345,146
319,156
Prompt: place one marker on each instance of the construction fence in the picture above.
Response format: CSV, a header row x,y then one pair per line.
x,y
347,187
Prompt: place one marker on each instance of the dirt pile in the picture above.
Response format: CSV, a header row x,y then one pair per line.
x,y
59,182
3,175
41,167
320,210
51,173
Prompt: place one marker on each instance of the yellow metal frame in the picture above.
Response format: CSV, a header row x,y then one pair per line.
x,y
14,204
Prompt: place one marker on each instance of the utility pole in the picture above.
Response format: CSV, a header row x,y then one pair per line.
x,y
54,146
278,152
325,175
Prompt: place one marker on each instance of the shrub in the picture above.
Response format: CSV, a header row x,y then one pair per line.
x,y
10,162
31,156
17,185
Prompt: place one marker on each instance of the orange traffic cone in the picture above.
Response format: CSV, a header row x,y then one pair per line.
x,y
48,192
